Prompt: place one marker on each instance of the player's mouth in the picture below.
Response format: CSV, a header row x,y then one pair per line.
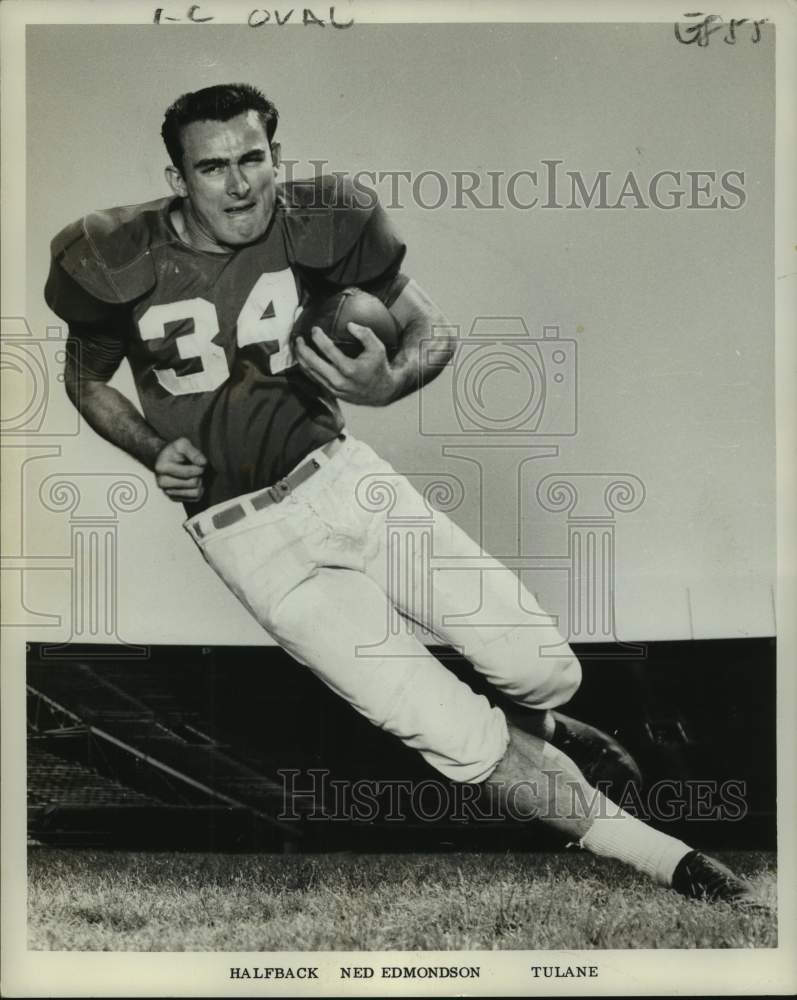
x,y
238,210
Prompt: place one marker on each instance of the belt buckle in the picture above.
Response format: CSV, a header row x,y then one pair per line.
x,y
279,490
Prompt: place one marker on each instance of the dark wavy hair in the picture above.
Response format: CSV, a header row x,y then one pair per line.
x,y
219,103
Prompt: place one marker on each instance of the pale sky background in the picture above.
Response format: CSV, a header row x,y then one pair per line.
x,y
672,312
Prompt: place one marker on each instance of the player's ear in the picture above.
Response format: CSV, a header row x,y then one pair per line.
x,y
175,181
276,153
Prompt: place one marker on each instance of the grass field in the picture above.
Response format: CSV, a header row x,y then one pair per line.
x,y
116,901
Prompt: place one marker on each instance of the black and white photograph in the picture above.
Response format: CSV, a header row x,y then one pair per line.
x,y
398,499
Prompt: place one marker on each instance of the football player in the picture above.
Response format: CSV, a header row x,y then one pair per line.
x,y
200,291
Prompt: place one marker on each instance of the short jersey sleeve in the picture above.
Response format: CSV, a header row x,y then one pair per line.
x,y
374,258
103,262
342,237
95,353
72,303
98,331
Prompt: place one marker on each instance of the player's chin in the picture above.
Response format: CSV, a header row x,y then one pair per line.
x,y
242,238
237,229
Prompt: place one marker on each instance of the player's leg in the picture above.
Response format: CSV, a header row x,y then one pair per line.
x,y
334,620
334,624
519,649
577,810
480,607
327,623
572,806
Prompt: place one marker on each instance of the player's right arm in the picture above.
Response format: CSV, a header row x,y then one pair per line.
x,y
91,360
99,265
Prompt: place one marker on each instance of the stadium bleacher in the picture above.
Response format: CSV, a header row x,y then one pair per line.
x,y
192,745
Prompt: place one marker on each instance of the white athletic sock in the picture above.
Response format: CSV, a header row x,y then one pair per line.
x,y
616,834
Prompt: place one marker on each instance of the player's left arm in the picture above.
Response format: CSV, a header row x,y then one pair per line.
x,y
420,321
371,379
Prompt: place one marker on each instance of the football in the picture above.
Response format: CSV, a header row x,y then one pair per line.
x,y
333,314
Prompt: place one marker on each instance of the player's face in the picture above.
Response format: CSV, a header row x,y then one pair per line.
x,y
228,179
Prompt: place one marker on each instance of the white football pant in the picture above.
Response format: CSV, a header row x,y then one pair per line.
x,y
324,571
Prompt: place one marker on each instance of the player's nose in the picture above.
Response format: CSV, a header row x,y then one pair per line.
x,y
237,184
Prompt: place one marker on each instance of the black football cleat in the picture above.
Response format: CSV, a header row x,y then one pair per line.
x,y
698,876
600,758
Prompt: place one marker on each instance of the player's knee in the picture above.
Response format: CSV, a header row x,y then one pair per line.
x,y
567,676
535,668
551,681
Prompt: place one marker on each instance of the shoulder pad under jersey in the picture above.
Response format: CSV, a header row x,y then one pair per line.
x,y
109,254
324,218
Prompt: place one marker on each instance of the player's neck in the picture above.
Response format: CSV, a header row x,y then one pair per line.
x,y
191,233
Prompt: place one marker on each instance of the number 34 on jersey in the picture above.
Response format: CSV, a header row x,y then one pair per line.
x,y
266,317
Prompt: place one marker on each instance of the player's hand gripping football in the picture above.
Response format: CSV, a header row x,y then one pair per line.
x,y
367,379
179,468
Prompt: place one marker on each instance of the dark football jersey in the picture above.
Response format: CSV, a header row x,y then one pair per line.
x,y
207,335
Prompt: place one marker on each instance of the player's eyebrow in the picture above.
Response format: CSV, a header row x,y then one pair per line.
x,y
223,161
